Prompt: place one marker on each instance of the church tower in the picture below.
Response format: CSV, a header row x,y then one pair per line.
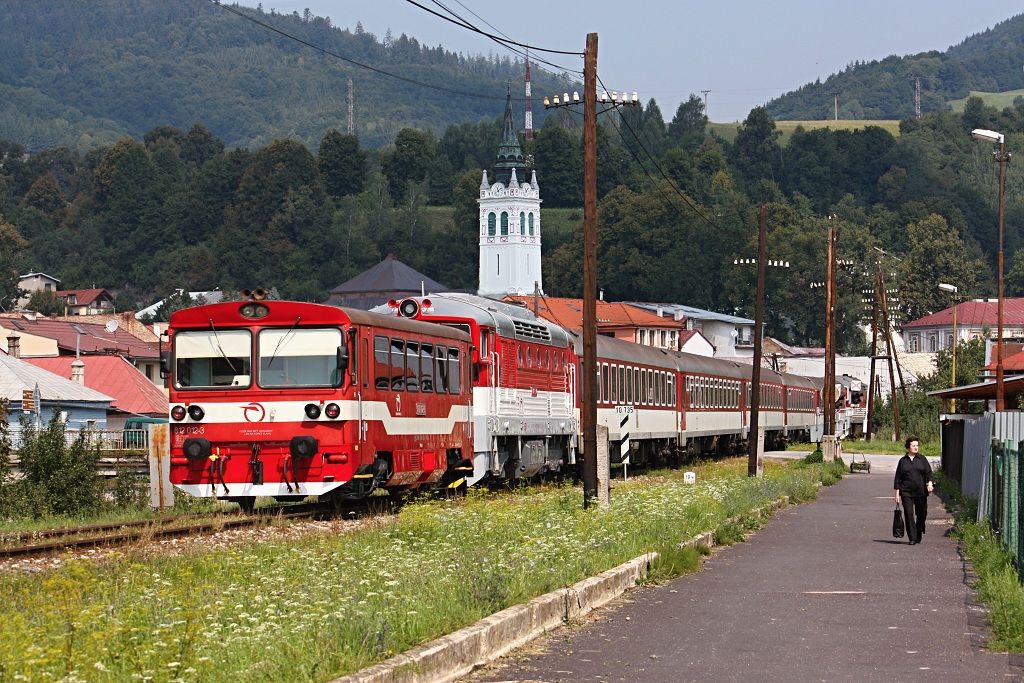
x,y
510,220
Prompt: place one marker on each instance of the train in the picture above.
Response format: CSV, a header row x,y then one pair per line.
x,y
290,399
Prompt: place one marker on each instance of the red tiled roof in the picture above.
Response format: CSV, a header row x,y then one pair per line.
x,y
83,297
569,313
94,338
113,376
974,312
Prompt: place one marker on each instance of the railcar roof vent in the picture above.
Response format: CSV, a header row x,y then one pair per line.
x,y
528,330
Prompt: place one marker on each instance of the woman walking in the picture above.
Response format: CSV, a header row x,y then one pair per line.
x,y
911,486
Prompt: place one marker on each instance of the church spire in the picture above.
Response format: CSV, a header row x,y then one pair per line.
x,y
510,153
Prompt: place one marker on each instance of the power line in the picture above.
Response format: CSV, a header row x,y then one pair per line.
x,y
374,69
639,142
462,22
469,26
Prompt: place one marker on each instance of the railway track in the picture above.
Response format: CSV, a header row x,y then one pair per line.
x,y
49,541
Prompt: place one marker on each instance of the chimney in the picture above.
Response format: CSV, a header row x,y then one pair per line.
x,y
14,344
78,371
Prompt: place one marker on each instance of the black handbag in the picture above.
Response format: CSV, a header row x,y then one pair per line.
x,y
897,523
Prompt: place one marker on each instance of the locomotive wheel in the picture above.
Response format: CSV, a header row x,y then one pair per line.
x,y
246,503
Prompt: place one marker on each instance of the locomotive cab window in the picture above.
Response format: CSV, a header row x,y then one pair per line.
x,y
213,359
299,358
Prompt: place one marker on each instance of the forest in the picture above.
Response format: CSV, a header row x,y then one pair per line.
x,y
178,209
83,75
885,89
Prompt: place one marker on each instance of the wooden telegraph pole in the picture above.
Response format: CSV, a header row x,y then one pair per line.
x,y
753,437
589,413
829,397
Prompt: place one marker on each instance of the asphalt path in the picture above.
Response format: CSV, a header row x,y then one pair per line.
x,y
821,593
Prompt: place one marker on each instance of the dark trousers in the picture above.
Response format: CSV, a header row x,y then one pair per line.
x,y
915,512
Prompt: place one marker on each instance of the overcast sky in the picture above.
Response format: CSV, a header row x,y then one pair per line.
x,y
745,52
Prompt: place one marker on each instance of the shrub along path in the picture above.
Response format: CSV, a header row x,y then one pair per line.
x,y
823,592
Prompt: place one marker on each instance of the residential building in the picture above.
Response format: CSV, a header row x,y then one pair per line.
x,y
85,338
40,395
132,392
86,301
975,319
618,320
36,282
730,335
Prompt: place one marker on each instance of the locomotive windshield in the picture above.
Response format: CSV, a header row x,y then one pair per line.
x,y
212,358
299,357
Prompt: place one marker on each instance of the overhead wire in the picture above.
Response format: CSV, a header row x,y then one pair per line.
x,y
507,44
466,25
361,65
686,200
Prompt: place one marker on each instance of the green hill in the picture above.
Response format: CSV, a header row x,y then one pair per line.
x,y
999,100
728,130
885,89
83,74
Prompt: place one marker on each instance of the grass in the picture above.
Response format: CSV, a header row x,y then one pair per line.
x,y
318,607
728,130
999,583
999,100
877,447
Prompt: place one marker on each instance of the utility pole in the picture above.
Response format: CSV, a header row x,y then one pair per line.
x,y
829,378
753,436
880,295
874,353
589,413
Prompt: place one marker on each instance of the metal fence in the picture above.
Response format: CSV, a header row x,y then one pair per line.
x,y
1005,488
106,439
984,454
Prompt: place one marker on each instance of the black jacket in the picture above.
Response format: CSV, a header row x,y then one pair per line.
x,y
913,475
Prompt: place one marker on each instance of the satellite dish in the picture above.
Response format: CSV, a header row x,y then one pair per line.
x,y
111,326
735,333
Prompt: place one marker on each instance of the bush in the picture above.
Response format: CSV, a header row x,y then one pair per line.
x,y
814,457
58,479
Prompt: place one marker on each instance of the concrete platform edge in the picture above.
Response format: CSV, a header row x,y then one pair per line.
x,y
449,657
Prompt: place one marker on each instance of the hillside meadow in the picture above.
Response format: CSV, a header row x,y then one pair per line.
x,y
728,130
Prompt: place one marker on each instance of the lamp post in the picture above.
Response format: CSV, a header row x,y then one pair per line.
x,y
1001,157
952,289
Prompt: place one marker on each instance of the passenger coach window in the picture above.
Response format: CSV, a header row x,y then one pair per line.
x,y
210,359
454,374
299,358
412,366
426,367
397,369
441,368
382,366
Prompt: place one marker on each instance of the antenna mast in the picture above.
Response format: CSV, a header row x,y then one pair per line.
x,y
917,96
350,100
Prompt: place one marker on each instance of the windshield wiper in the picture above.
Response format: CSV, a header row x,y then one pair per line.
x,y
284,337
216,338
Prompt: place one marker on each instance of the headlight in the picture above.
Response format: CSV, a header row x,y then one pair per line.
x,y
332,410
178,413
312,411
196,413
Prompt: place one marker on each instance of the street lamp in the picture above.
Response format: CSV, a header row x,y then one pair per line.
x,y
1001,157
952,289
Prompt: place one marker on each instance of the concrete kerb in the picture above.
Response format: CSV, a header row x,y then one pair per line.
x,y
449,657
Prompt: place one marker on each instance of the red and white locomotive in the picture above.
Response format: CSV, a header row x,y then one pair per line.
x,y
288,399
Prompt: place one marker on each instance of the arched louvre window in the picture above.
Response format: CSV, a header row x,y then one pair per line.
x,y
531,224
522,222
492,221
504,222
